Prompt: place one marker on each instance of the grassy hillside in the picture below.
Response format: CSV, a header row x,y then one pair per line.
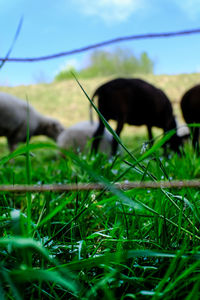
x,y
66,102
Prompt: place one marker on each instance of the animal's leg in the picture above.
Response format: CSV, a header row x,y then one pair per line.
x,y
150,135
97,136
11,145
119,128
195,138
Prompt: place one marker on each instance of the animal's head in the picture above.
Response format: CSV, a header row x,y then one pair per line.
x,y
170,123
53,128
175,143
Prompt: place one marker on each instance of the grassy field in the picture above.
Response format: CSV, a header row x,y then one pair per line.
x,y
65,100
109,244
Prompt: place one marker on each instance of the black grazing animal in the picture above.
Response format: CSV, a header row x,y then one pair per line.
x,y
136,102
190,105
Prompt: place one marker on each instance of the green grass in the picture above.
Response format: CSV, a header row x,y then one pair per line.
x,y
99,244
110,244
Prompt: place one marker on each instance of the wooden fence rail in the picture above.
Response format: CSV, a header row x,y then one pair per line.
x,y
97,186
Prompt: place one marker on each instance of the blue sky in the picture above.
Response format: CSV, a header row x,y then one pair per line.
x,y
54,26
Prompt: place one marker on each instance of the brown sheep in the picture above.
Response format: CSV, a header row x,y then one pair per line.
x,y
14,114
136,102
190,105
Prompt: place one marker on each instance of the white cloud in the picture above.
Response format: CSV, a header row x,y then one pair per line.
x,y
190,7
110,10
197,68
68,65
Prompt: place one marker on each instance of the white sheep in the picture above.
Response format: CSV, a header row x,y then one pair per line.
x,y
15,114
79,138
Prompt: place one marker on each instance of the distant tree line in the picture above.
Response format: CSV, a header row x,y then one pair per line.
x,y
120,62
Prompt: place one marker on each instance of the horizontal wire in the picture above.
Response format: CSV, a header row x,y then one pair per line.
x,y
104,43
